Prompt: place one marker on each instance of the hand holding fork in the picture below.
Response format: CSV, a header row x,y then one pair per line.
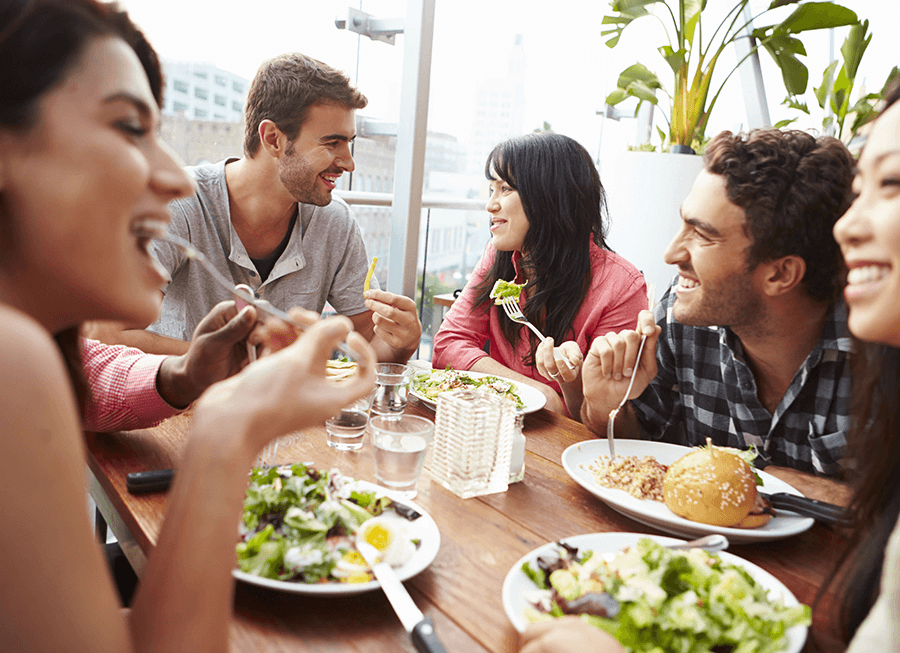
x,y
637,363
514,312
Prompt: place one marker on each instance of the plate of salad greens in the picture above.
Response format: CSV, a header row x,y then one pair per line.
x,y
428,384
300,526
651,598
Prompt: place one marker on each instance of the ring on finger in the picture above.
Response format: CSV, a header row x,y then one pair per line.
x,y
555,376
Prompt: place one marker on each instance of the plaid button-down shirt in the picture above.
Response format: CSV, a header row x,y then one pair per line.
x,y
704,388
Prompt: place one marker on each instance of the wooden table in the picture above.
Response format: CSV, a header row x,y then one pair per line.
x,y
481,538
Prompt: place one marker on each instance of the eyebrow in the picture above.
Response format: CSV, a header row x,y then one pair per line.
x,y
125,96
337,137
703,226
881,157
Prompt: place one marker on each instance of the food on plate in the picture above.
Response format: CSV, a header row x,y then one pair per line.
x,y
340,368
641,477
503,289
302,525
652,598
713,486
431,384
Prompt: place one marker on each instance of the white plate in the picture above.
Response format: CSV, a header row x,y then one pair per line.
x,y
578,458
424,529
517,583
533,398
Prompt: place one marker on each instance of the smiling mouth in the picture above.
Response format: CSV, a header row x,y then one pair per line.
x,y
685,283
330,180
869,273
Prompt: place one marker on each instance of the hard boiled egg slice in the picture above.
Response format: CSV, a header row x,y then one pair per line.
x,y
389,537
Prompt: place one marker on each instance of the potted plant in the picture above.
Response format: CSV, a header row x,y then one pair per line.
x,y
692,52
840,118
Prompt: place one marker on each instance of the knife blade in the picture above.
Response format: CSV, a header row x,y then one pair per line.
x,y
419,627
827,513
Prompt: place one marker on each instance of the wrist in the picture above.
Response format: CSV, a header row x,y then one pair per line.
x,y
173,383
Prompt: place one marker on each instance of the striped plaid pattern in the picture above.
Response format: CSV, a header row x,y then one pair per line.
x,y
704,389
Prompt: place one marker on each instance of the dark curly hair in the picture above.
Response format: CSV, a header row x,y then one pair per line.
x,y
792,187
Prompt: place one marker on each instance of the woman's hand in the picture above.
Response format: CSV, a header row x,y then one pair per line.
x,y
561,364
288,390
567,635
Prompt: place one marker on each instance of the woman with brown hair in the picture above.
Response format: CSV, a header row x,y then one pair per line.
x,y
81,167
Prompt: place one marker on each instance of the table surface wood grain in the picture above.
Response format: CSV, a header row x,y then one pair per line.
x,y
481,538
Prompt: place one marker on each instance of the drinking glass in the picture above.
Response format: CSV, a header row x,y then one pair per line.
x,y
347,428
391,388
401,442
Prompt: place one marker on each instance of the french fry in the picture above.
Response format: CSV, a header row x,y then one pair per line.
x,y
370,273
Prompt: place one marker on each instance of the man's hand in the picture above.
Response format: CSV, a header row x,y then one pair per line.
x,y
608,367
396,324
217,351
567,635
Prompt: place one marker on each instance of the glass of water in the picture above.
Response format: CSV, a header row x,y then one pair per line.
x,y
347,428
401,442
392,382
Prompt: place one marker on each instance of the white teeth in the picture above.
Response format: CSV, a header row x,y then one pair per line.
x,y
867,274
148,228
687,283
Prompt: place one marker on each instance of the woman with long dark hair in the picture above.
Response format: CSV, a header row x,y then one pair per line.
x,y
81,167
547,209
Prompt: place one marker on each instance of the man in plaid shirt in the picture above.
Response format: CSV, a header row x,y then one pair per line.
x,y
750,344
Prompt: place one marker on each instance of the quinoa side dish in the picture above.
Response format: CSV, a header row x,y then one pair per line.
x,y
642,478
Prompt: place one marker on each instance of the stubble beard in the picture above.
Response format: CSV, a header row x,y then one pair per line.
x,y
732,302
301,181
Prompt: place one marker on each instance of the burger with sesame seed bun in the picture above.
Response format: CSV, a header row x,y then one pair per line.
x,y
716,487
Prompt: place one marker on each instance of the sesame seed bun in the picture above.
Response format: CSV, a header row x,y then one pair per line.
x,y
710,486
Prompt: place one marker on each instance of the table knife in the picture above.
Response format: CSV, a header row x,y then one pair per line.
x,y
827,513
419,627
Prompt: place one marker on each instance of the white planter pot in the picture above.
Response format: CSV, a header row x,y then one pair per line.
x,y
644,193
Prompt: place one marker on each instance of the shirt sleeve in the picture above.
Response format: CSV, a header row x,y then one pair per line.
x,y
122,382
460,341
659,406
346,293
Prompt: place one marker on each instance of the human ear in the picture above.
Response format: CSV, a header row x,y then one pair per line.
x,y
783,275
272,138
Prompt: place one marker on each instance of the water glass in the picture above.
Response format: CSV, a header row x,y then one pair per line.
x,y
401,442
347,428
391,388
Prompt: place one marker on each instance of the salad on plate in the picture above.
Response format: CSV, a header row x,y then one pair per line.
x,y
654,599
429,384
302,525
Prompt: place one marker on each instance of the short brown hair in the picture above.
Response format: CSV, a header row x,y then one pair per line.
x,y
792,187
284,89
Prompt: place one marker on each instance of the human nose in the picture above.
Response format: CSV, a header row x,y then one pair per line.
x,y
850,227
167,175
345,160
493,205
675,251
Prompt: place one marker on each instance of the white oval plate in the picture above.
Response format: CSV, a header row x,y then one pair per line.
x,y
577,459
533,398
424,528
517,583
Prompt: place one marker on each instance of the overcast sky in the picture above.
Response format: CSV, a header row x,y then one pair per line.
x,y
570,70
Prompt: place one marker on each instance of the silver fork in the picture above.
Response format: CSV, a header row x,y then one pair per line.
x,y
514,312
266,456
613,413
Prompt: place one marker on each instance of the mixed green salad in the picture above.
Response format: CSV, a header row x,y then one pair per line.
x,y
503,289
654,599
300,524
431,384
